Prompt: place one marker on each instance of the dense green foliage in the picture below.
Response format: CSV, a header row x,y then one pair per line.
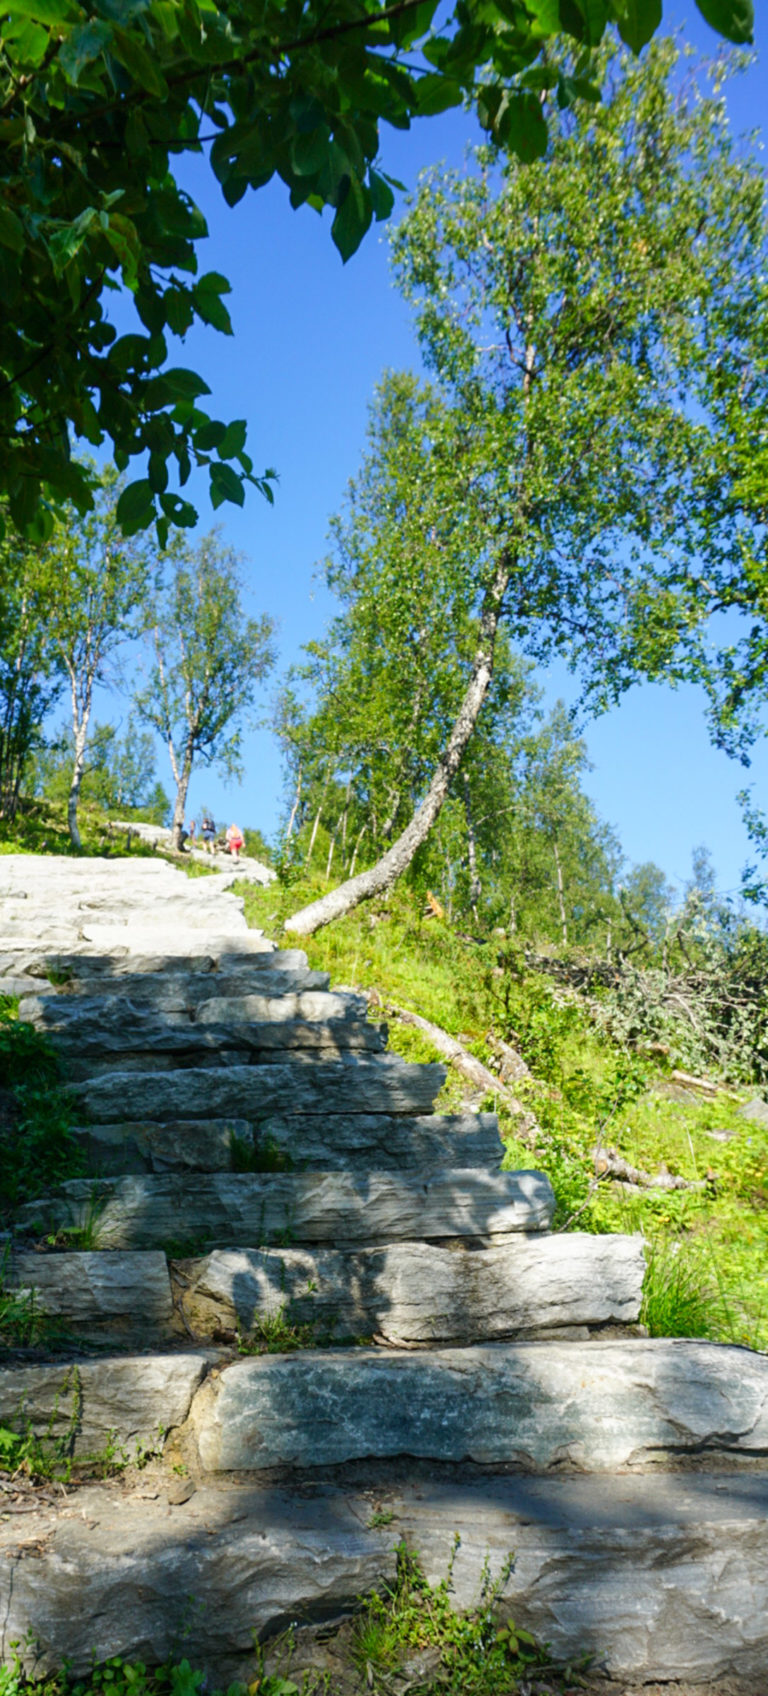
x,y
550,488
97,101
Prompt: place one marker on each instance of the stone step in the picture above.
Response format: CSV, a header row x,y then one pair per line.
x,y
385,1084
169,989
76,1019
370,1141
84,1404
88,1288
258,1210
593,1406
417,1292
658,1577
82,968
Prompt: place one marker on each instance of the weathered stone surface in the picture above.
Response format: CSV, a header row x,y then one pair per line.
x,y
191,1145
261,1009
384,1085
134,1397
595,1406
252,1210
96,1288
333,1141
657,1577
755,1110
417,1292
86,1027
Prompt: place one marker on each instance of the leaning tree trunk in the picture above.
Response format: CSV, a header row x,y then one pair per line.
x,y
78,767
391,866
180,804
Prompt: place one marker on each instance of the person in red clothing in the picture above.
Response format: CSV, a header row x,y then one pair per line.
x,y
235,840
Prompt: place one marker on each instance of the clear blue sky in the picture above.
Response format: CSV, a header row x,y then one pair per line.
x,y
312,337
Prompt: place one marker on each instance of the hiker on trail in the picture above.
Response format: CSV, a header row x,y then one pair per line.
x,y
191,828
208,829
235,840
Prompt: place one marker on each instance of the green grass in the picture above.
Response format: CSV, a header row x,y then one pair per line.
x,y
40,827
588,1092
37,1148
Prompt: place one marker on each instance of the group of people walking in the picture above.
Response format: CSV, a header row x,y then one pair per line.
x,y
234,839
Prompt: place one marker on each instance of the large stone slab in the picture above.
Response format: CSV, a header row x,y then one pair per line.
x,y
132,1398
658,1577
418,1292
381,1142
84,1027
384,1085
183,1145
253,1210
372,1141
88,1287
594,1406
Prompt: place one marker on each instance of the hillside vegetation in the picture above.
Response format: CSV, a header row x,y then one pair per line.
x,y
590,1092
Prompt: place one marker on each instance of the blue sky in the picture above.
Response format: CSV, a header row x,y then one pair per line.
x,y
312,338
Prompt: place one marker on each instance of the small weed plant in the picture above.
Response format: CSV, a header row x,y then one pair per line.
x,y
477,1653
275,1333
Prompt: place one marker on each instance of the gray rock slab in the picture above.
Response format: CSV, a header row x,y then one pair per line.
x,y
418,1292
661,1577
593,1406
86,1026
385,1084
756,1111
252,1210
334,1141
96,1288
183,1145
260,1009
133,1397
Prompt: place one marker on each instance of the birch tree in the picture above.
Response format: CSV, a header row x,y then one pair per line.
x,y
208,658
571,313
97,581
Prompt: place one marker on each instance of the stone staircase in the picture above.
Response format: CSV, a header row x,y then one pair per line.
x,y
259,1166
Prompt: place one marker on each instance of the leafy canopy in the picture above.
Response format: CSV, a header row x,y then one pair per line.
x,y
97,100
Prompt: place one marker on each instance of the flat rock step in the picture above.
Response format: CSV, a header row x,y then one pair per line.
x,y
658,1577
86,1288
382,1085
81,1405
419,1293
261,1209
336,1142
595,1406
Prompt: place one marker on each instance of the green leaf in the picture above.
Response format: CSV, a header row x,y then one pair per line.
x,y
210,435
735,19
352,219
225,485
183,384
139,64
436,93
382,196
135,508
55,12
233,440
522,127
637,21
86,43
11,230
310,151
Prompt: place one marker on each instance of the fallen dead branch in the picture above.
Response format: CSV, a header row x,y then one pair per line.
x,y
527,1128
610,1164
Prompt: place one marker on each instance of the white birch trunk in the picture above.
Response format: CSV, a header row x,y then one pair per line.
x,y
397,858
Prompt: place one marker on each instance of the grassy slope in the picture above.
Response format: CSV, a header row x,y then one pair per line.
x,y
708,1248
